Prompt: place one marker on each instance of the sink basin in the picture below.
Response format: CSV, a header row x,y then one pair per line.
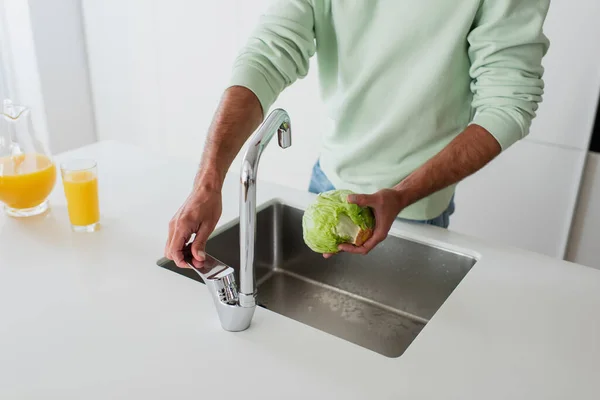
x,y
380,301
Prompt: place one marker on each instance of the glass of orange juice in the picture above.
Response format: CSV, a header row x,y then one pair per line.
x,y
80,183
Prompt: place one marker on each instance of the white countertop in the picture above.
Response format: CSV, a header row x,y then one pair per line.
x,y
91,316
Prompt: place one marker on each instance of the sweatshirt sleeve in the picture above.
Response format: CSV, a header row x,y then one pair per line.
x,y
278,51
506,47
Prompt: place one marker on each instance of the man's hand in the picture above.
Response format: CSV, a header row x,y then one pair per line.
x,y
470,151
197,216
386,205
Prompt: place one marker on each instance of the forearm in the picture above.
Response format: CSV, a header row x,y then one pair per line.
x,y
466,154
238,115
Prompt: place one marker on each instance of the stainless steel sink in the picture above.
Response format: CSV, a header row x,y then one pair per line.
x,y
380,301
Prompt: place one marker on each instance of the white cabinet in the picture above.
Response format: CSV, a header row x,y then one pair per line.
x,y
584,241
525,198
572,76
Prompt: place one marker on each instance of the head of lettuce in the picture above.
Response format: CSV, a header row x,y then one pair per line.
x,y
331,220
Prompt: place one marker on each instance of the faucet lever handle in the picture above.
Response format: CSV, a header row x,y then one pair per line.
x,y
215,274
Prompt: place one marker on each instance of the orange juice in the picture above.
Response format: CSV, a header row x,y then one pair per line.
x,y
26,180
81,191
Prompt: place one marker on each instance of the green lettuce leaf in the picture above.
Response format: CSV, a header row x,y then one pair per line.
x,y
331,221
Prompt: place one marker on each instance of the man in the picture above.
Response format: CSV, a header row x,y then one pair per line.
x,y
422,94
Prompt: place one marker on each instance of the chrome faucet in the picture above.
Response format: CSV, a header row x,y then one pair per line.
x,y
236,307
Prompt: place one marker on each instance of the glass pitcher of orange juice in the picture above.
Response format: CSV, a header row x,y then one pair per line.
x,y
27,171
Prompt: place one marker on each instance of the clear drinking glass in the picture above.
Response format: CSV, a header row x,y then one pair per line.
x,y
80,183
27,172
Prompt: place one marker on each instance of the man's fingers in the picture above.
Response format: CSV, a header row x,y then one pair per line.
x,y
176,249
369,245
172,228
378,236
349,248
193,222
199,242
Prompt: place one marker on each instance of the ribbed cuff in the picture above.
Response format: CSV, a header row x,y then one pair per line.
x,y
252,79
504,128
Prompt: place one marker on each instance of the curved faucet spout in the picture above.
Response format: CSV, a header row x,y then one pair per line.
x,y
277,121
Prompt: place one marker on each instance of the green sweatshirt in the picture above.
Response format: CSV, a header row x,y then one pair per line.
x,y
402,78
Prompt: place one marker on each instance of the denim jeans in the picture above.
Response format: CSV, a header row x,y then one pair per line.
x,y
320,183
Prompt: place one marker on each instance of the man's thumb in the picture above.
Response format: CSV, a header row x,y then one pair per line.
x,y
362,200
200,242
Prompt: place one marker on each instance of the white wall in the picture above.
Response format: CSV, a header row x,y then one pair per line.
x,y
45,68
63,71
4,64
158,69
124,64
584,247
20,61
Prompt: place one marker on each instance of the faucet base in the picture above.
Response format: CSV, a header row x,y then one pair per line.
x,y
236,319
235,310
